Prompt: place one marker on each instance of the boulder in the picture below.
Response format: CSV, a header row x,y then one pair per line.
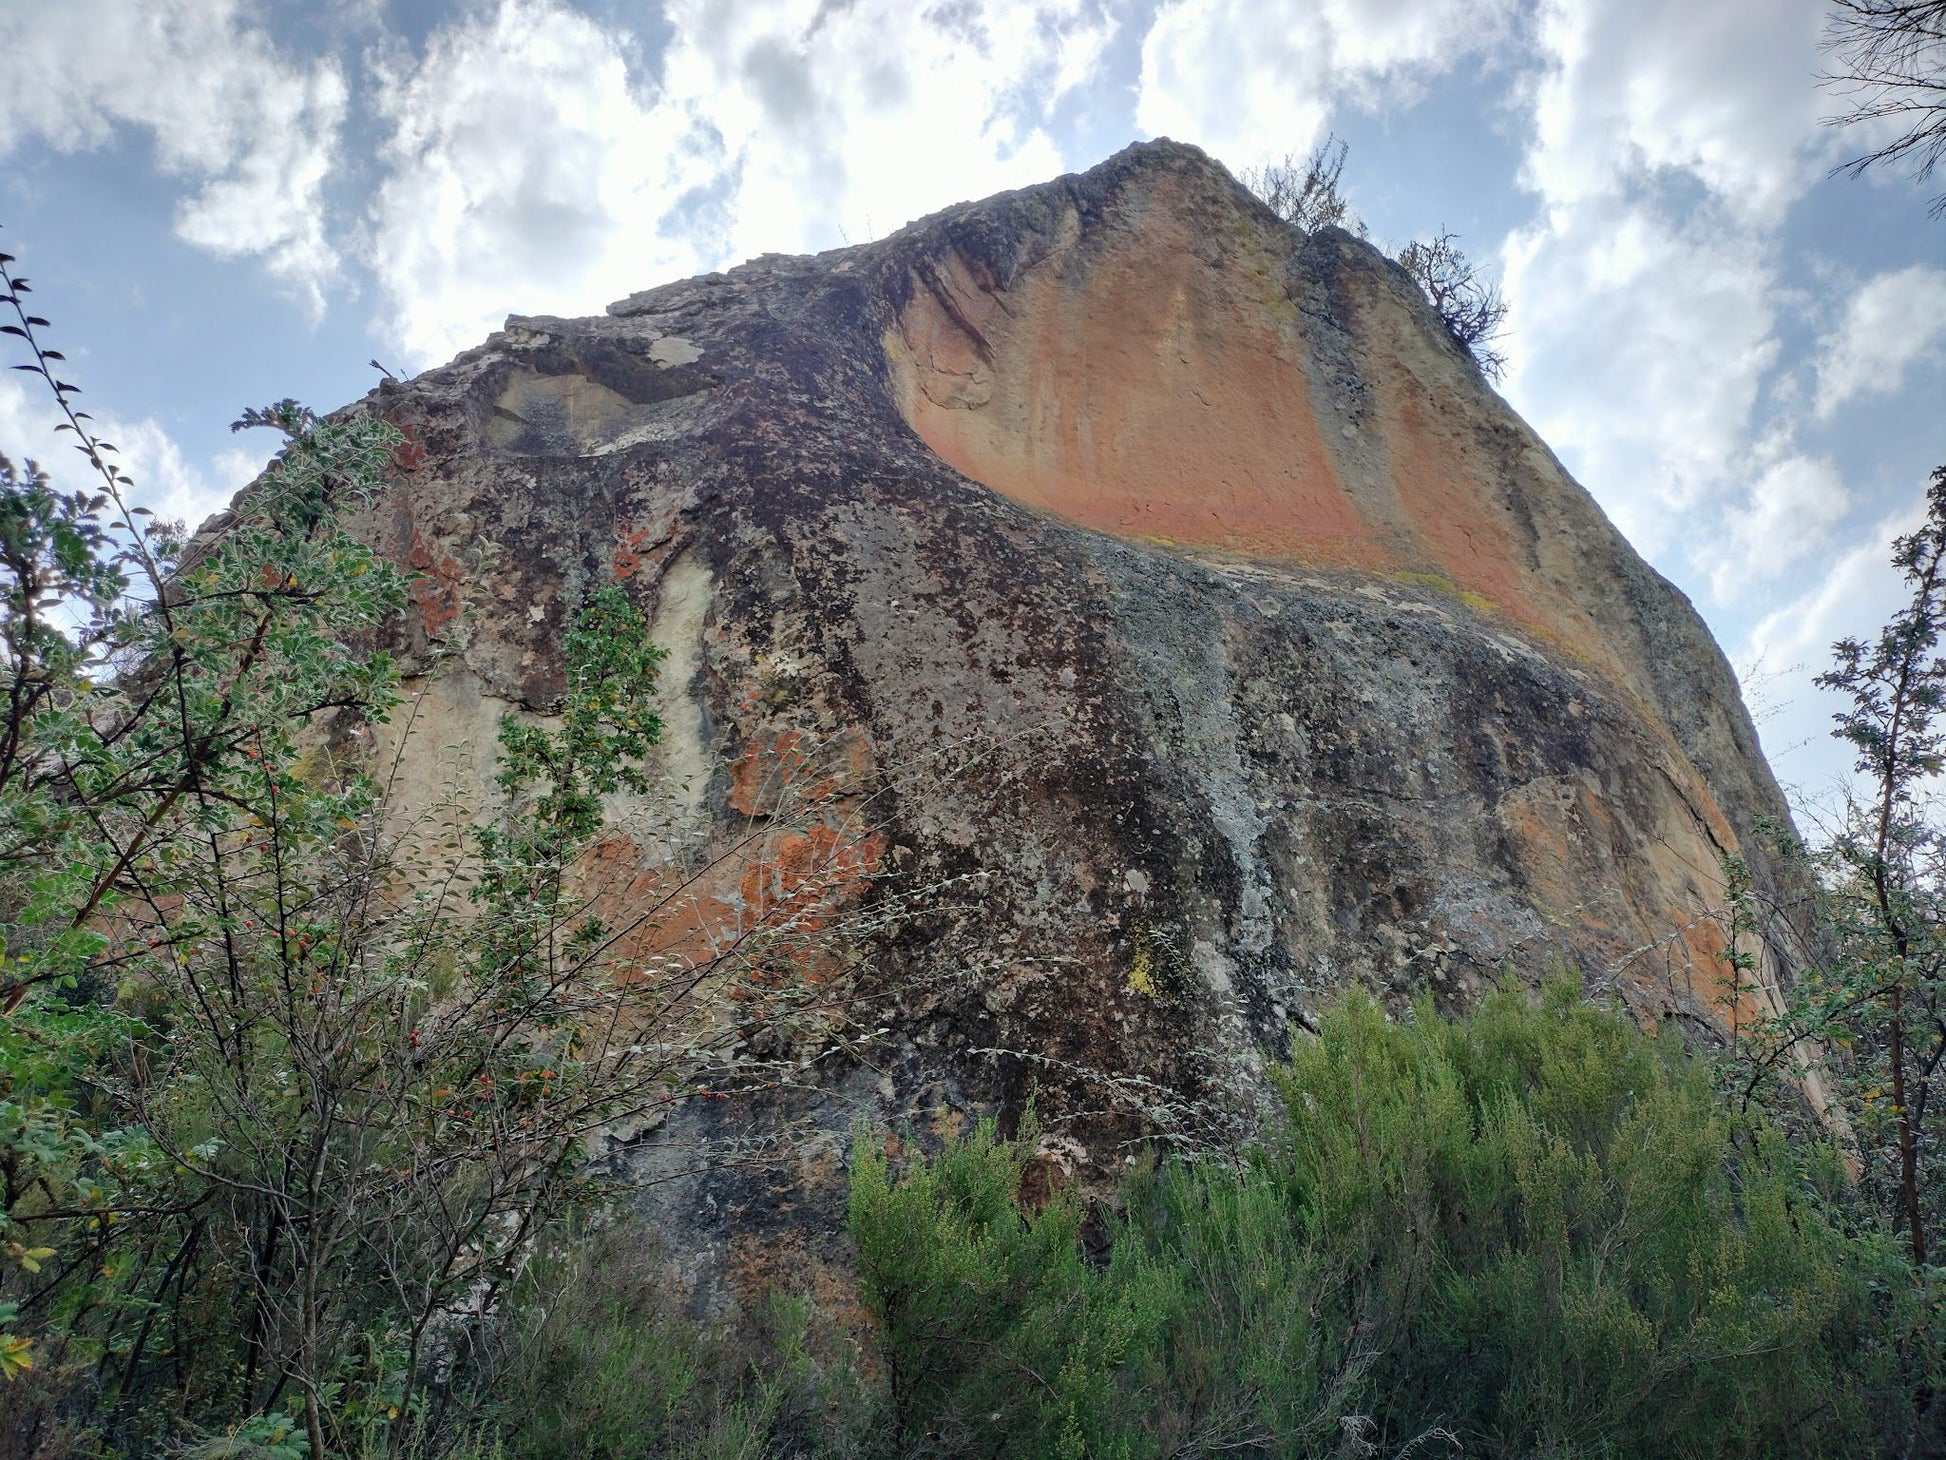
x,y
1172,623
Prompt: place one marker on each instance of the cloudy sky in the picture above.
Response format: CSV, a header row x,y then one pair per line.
x,y
223,202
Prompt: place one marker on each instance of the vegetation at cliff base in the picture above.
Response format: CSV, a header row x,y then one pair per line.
x,y
1535,1230
1532,1231
294,1079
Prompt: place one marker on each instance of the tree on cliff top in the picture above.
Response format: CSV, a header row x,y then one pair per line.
x,y
1309,195
1469,304
1306,194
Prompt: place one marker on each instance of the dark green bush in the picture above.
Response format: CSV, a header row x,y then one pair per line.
x,y
1529,1232
594,1358
1571,1250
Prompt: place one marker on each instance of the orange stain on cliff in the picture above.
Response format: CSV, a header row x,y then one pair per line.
x,y
1546,845
1461,521
769,904
1158,392
808,875
759,776
1142,393
785,766
630,553
408,455
764,910
436,586
1717,984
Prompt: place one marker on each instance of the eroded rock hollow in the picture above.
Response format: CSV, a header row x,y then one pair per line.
x,y
1162,567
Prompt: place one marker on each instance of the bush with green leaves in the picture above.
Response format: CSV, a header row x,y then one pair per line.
x,y
156,691
1866,1008
1534,1231
292,1082
593,1356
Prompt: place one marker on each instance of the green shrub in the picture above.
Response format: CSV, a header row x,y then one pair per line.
x,y
1570,1248
594,1358
988,1322
1529,1232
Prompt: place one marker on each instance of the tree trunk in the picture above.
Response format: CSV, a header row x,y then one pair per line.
x,y
1908,1146
313,1426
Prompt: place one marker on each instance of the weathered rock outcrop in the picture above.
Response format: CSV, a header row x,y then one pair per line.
x,y
1292,656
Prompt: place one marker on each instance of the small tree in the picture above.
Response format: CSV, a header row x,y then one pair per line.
x,y
137,692
1889,863
1468,304
1868,1009
288,1084
1890,60
1307,194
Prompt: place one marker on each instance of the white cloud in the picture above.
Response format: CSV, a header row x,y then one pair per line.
x,y
1892,322
1789,512
238,466
1669,140
165,481
522,170
862,117
254,133
1638,346
1721,93
535,164
1855,594
1248,81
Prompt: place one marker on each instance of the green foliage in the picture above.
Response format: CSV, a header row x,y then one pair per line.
x,y
178,699
1533,1231
1569,1252
606,723
1887,874
1868,1011
592,1358
286,1094
381,1090
607,719
67,1180
56,559
292,1083
988,1322
154,708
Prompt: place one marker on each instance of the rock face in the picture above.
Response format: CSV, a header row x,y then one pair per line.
x,y
1168,565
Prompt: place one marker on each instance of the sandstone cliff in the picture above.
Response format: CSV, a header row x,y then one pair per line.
x,y
1263,647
